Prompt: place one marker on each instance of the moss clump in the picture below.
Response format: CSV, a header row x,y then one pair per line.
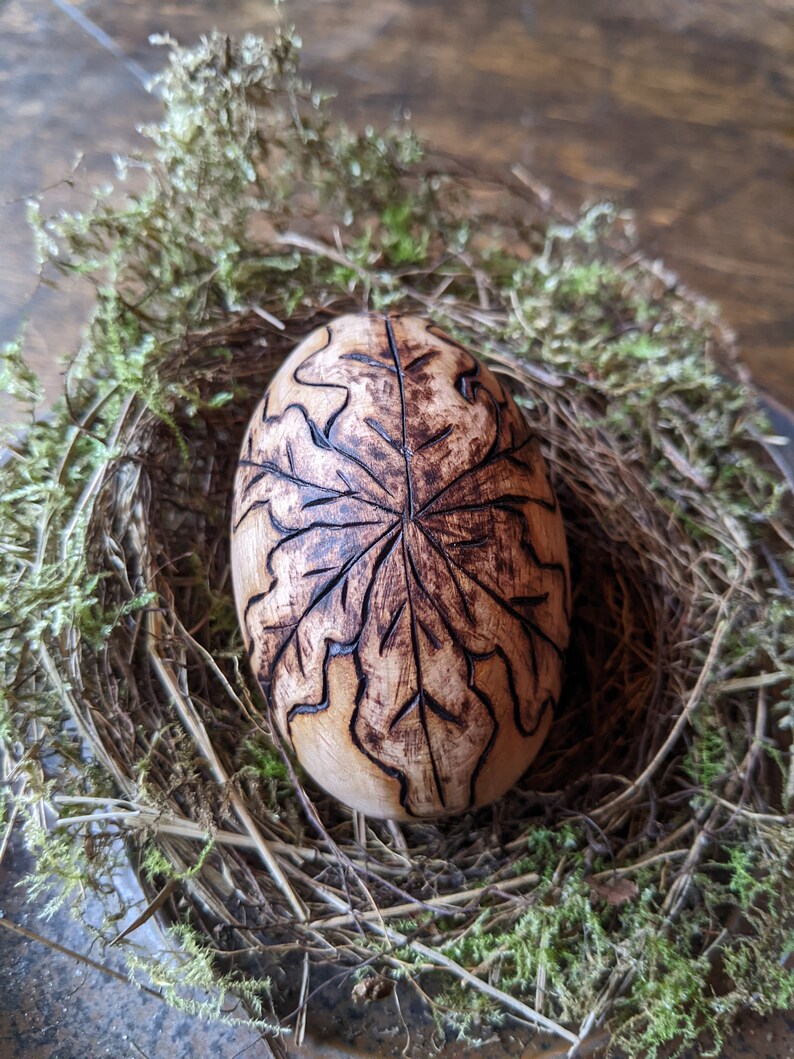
x,y
639,879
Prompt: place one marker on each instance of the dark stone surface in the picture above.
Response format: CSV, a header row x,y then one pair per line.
x,y
54,1007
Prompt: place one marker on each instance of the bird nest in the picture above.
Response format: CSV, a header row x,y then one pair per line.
x,y
636,879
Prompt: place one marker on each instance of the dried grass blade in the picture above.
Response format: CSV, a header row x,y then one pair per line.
x,y
193,724
674,734
149,911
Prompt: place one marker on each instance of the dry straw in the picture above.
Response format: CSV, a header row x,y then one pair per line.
x,y
638,878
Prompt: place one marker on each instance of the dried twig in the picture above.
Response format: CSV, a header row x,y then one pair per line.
x,y
437,959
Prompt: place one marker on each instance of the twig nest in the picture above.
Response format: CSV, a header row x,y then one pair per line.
x,y
400,569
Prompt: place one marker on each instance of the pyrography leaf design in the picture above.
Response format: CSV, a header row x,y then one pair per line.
x,y
406,543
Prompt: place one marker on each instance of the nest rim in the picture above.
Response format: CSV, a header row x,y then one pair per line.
x,y
610,513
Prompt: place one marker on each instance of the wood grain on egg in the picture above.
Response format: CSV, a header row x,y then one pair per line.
x,y
400,569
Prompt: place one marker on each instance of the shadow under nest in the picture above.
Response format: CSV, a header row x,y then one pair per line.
x,y
172,711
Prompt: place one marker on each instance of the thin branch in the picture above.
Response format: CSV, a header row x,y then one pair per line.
x,y
443,904
192,722
140,816
438,959
675,732
761,680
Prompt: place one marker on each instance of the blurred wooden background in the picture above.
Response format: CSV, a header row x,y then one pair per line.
x,y
682,111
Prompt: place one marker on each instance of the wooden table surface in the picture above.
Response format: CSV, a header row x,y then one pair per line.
x,y
682,111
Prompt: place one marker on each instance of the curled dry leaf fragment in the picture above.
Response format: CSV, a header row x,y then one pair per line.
x,y
371,988
615,890
400,569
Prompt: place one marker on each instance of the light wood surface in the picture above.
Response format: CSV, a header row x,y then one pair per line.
x,y
400,569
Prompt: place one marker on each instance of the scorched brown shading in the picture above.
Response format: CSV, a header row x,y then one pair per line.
x,y
400,569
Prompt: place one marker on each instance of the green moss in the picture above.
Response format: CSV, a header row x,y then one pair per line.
x,y
268,762
674,1004
468,1016
708,758
192,979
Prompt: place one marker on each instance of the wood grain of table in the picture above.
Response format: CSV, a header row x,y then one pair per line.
x,y
681,112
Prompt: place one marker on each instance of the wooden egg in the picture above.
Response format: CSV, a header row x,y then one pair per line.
x,y
400,569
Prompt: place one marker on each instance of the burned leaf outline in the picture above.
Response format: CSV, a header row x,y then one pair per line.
x,y
378,537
